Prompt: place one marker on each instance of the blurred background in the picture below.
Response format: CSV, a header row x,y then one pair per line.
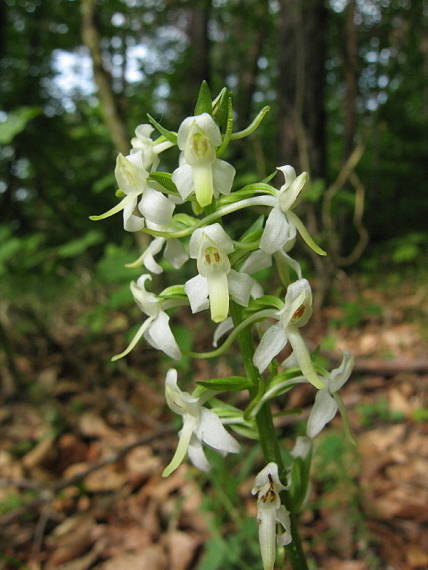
x,y
80,482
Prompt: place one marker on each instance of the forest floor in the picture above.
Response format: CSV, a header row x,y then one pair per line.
x,y
83,444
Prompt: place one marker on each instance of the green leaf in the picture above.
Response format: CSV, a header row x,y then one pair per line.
x,y
265,302
164,179
204,101
220,109
16,122
229,128
228,384
76,247
170,135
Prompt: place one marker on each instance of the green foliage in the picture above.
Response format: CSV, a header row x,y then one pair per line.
x,y
378,412
356,312
16,122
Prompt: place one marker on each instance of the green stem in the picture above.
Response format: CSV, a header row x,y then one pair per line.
x,y
267,437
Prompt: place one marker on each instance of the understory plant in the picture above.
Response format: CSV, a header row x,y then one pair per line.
x,y
187,213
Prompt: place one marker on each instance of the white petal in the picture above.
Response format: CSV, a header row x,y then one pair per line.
x,y
290,196
212,432
197,292
131,222
289,175
256,261
240,285
156,207
218,293
256,289
183,179
175,253
146,300
295,265
303,357
212,235
283,518
159,335
298,296
266,478
205,123
276,232
302,447
223,328
223,175
340,375
272,342
140,332
182,447
180,402
147,258
323,411
197,455
130,173
266,517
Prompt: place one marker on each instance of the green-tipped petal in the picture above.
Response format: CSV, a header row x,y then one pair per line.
x,y
120,206
218,292
135,340
203,184
303,357
304,233
182,447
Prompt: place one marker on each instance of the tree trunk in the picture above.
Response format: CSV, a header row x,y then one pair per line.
x,y
108,100
301,63
351,77
199,42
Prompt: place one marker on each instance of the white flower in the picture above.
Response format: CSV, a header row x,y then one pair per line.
x,y
200,425
270,512
155,329
280,227
295,314
150,149
131,176
210,246
325,406
200,171
260,259
174,253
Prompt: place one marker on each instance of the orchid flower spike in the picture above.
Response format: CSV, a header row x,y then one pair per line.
x,y
267,486
149,148
155,329
131,176
295,314
200,171
326,405
200,425
210,246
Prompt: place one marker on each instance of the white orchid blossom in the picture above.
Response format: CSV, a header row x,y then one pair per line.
x,y
174,253
200,425
200,170
149,148
131,177
210,246
282,222
260,259
270,512
155,328
295,314
326,405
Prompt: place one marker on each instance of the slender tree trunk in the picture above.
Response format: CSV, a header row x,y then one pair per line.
x,y
199,42
301,62
253,29
109,103
351,77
